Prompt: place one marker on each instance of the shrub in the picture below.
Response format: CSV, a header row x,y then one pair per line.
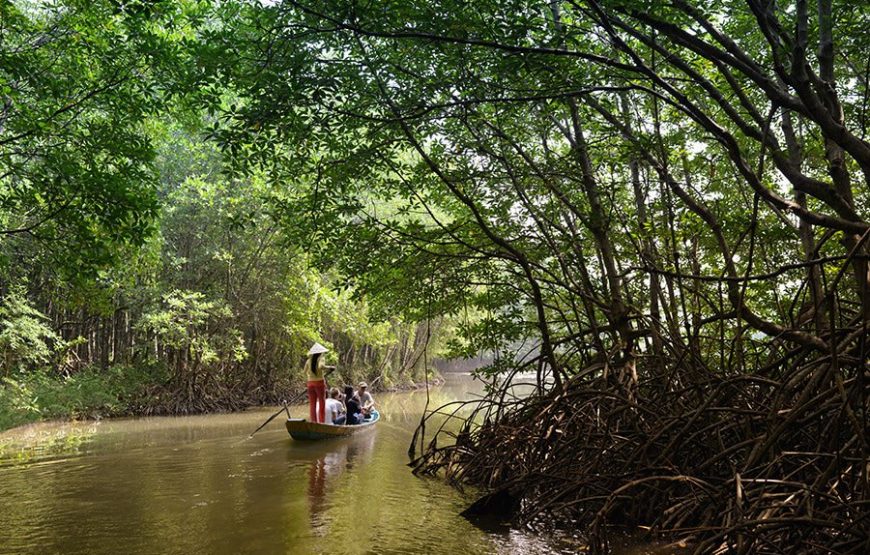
x,y
86,394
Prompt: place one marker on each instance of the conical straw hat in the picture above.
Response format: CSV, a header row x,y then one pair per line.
x,y
317,348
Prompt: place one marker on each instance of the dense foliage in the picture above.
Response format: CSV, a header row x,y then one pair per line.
x,y
668,200
659,207
137,276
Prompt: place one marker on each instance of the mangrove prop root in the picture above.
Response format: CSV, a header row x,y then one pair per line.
x,y
770,461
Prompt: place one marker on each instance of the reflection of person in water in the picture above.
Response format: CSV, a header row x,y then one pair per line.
x,y
323,470
316,488
326,489
360,449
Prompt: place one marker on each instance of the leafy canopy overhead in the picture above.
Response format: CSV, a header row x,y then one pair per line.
x,y
78,84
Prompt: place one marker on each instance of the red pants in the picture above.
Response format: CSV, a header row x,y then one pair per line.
x,y
317,393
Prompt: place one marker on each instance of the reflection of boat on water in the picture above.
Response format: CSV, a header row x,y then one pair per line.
x,y
323,470
328,483
300,428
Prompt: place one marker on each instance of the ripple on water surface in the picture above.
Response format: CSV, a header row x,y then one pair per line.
x,y
199,485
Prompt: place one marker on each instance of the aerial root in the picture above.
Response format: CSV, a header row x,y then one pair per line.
x,y
752,463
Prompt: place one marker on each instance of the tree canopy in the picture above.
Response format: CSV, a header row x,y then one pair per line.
x,y
658,207
663,197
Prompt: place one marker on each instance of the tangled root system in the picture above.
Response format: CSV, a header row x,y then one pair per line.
x,y
770,461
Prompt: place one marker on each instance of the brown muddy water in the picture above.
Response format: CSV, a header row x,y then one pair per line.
x,y
190,485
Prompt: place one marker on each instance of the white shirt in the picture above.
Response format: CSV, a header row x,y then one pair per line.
x,y
333,409
366,399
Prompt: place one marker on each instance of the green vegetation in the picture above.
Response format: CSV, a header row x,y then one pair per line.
x,y
137,274
214,311
660,208
89,393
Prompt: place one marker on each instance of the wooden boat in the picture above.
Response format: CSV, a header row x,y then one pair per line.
x,y
300,428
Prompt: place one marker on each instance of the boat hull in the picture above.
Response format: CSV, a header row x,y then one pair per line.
x,y
303,430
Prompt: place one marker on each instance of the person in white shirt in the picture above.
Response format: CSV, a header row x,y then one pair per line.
x,y
334,408
366,401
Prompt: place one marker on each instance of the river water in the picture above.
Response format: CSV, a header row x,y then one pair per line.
x,y
198,484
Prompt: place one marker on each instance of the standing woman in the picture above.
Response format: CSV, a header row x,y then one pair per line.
x,y
316,384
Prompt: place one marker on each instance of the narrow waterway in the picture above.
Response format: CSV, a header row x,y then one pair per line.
x,y
200,485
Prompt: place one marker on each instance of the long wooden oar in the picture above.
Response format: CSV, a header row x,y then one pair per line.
x,y
284,408
263,425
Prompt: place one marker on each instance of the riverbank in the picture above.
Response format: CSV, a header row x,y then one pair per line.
x,y
593,452
413,386
40,396
124,391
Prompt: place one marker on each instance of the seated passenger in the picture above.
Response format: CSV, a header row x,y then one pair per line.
x,y
367,402
334,408
351,402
